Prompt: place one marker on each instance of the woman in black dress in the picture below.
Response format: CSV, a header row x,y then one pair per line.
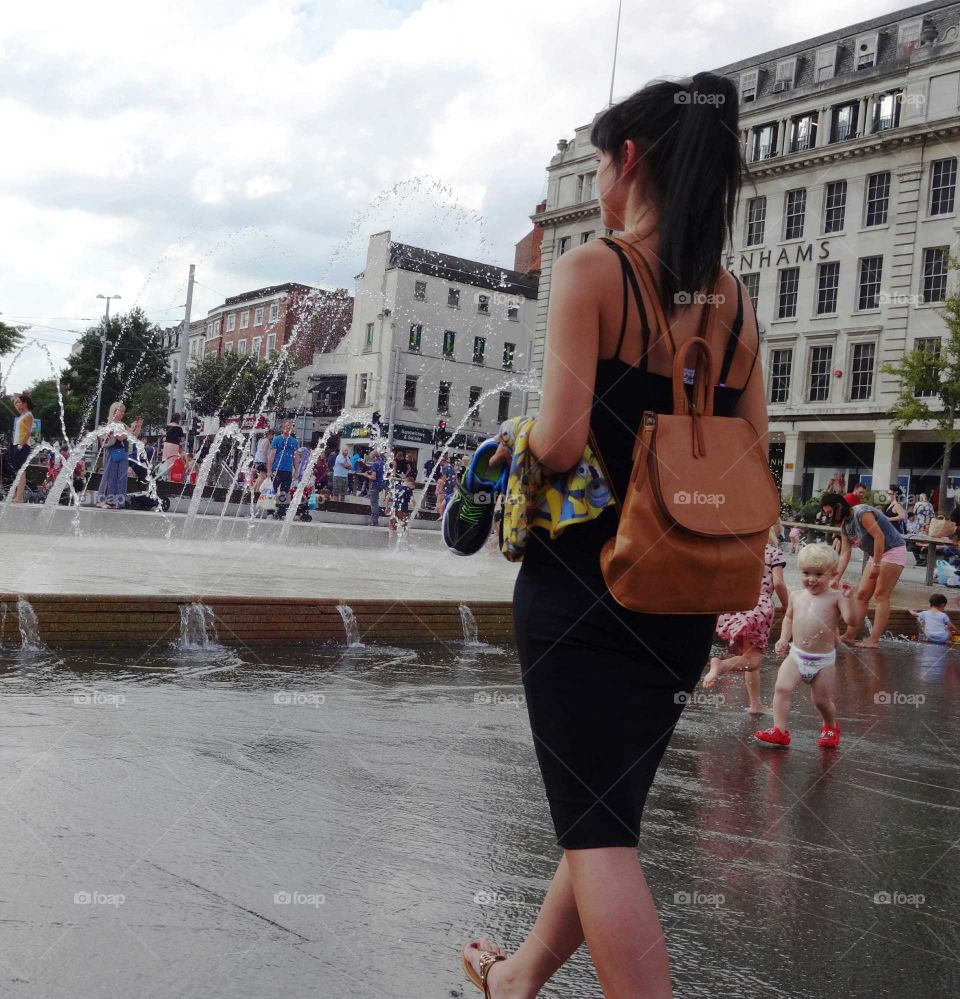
x,y
604,685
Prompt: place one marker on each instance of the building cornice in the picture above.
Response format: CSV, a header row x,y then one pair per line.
x,y
569,213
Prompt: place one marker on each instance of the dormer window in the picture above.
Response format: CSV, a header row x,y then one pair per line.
x,y
748,85
826,65
908,36
865,50
786,75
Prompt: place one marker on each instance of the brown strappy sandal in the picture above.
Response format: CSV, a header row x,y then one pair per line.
x,y
487,960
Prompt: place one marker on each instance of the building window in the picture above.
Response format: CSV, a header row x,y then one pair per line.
x,y
886,111
255,346
752,283
844,124
410,392
803,133
258,317
861,370
931,345
416,334
756,220
587,186
821,361
795,211
483,305
868,289
209,330
787,284
935,274
368,338
453,298
509,351
443,399
828,280
563,244
228,348
748,85
826,64
244,319
585,237
765,142
272,344
274,311
363,383
943,186
231,322
503,407
513,313
241,346
781,363
835,206
878,198
473,409
449,342
216,328
866,50
420,291
479,346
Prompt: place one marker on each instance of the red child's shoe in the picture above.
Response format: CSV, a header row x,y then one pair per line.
x,y
829,736
774,737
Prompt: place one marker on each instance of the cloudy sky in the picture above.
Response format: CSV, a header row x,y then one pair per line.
x,y
264,140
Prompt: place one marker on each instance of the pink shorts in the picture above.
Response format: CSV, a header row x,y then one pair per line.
x,y
895,556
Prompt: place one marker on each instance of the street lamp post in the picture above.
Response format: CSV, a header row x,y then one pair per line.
x,y
103,355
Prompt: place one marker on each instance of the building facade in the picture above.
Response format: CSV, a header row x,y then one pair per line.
x,y
171,347
844,228
434,338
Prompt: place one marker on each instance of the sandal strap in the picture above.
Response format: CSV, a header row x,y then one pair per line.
x,y
487,960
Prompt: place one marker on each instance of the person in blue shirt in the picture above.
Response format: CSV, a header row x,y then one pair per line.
x,y
376,482
283,463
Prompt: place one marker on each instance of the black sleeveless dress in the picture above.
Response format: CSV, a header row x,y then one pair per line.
x,y
605,686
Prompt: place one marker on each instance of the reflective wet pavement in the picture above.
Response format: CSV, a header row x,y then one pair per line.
x,y
331,822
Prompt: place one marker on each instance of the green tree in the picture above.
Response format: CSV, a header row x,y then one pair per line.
x,y
10,337
135,357
46,409
234,384
930,386
150,400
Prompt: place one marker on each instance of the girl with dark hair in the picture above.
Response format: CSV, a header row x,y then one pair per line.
x,y
20,444
868,528
605,686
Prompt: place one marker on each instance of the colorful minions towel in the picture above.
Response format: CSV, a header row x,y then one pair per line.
x,y
535,498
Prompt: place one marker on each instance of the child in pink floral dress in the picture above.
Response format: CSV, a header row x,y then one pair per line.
x,y
749,631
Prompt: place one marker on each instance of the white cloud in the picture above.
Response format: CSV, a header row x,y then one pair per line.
x,y
250,137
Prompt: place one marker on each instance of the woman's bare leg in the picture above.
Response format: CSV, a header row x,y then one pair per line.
x,y
886,581
620,923
555,936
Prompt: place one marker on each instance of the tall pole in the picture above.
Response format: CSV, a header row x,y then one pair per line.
x,y
184,347
103,356
616,45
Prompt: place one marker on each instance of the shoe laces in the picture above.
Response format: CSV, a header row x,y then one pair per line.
x,y
470,511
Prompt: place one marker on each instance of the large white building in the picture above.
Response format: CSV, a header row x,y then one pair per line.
x,y
433,338
843,232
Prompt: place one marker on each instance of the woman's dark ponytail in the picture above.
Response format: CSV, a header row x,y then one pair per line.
x,y
688,139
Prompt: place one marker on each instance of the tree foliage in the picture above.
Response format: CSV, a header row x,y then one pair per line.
x,y
930,386
10,337
135,358
235,384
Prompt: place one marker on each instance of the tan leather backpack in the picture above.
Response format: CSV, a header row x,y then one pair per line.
x,y
701,500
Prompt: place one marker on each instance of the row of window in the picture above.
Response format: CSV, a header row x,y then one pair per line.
x,y
483,301
566,242
876,204
868,294
255,344
213,327
415,345
410,386
820,373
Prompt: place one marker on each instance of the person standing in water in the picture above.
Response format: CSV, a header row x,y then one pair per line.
x,y
605,686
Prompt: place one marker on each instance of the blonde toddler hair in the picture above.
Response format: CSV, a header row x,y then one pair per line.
x,y
818,556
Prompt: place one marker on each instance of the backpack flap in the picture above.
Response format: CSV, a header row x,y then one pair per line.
x,y
727,489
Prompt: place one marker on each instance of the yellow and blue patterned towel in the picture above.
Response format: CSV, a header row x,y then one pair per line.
x,y
536,498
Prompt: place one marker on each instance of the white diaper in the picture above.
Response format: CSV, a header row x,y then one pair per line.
x,y
810,663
